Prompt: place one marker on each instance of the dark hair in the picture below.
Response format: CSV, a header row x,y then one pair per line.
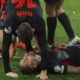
x,y
25,31
27,70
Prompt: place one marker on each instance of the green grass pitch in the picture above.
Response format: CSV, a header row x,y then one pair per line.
x,y
72,8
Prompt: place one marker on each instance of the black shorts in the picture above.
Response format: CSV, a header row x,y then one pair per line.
x,y
53,1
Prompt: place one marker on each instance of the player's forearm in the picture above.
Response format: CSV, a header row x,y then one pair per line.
x,y
44,52
73,69
2,5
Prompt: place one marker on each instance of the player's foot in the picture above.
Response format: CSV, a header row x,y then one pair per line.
x,y
53,48
60,46
74,41
21,45
12,74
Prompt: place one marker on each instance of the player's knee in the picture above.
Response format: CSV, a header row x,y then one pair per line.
x,y
59,8
50,10
59,11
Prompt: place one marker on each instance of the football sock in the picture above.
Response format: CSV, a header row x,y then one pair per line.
x,y
51,24
64,20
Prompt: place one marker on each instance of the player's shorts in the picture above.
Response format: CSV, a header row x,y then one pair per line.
x,y
53,1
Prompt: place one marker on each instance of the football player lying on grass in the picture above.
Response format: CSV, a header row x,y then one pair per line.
x,y
62,61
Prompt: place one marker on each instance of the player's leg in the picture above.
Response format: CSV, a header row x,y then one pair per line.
x,y
41,35
73,69
51,22
8,30
64,19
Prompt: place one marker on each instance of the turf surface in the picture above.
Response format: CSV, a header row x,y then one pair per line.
x,y
72,8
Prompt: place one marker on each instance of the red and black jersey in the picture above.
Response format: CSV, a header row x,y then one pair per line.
x,y
2,5
24,10
2,13
21,6
2,1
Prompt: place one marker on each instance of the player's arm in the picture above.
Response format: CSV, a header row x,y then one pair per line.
x,y
7,39
2,5
2,10
73,69
5,50
44,50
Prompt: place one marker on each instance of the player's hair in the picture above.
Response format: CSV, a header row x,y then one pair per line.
x,y
27,70
25,31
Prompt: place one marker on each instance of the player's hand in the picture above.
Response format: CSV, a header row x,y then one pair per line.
x,y
42,76
3,16
12,74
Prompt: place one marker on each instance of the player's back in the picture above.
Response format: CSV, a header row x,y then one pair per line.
x,y
21,4
21,7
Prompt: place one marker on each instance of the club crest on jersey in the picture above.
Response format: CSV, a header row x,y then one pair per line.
x,y
8,30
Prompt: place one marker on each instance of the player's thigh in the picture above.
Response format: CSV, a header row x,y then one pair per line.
x,y
59,7
50,7
59,4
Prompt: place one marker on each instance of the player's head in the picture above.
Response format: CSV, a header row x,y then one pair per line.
x,y
29,63
25,32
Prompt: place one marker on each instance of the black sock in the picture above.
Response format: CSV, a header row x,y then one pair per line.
x,y
51,23
64,20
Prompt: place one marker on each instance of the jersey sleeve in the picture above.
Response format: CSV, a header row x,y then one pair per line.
x,y
2,5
